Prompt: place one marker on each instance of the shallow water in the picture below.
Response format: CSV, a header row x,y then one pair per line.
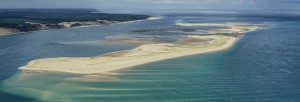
x,y
262,67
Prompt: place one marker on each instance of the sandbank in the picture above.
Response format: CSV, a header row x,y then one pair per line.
x,y
118,60
146,53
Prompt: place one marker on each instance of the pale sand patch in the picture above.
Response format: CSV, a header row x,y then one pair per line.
x,y
233,27
149,18
5,31
154,18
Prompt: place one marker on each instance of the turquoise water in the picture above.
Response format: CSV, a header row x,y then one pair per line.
x,y
262,67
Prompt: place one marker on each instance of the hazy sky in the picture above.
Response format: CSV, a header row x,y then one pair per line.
x,y
157,4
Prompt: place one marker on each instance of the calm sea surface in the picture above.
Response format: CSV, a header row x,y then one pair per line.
x,y
264,66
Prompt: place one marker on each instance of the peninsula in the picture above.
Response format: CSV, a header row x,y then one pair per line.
x,y
23,20
148,52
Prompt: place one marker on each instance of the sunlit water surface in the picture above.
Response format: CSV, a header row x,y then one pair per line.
x,y
262,67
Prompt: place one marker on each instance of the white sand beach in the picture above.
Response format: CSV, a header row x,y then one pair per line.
x,y
147,53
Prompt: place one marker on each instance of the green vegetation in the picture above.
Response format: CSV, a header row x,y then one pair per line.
x,y
14,18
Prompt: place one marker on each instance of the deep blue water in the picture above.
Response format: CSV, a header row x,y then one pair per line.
x,y
262,67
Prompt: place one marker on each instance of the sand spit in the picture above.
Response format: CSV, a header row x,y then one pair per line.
x,y
146,53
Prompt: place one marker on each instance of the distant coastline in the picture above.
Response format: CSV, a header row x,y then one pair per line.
x,y
18,21
9,31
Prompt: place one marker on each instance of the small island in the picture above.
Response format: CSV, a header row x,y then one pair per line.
x,y
24,20
148,52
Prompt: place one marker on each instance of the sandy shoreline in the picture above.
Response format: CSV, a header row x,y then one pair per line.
x,y
105,64
7,31
150,18
146,53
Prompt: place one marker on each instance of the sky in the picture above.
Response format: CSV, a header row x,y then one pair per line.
x,y
157,4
